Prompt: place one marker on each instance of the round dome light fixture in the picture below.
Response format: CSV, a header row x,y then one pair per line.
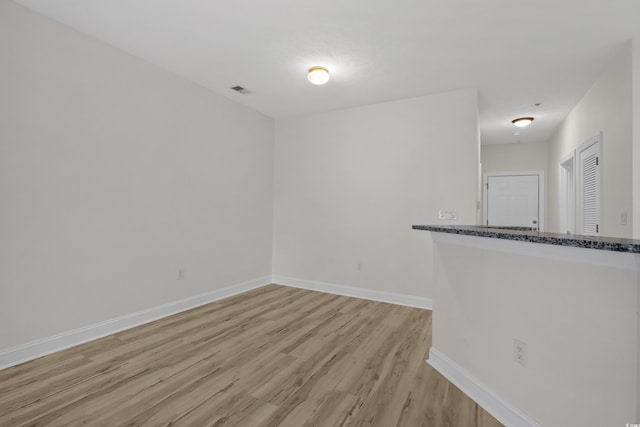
x,y
318,75
522,121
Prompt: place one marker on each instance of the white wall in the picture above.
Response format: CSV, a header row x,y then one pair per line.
x,y
636,169
636,139
350,184
606,107
113,174
514,157
578,319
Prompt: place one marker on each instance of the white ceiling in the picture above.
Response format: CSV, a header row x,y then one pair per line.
x,y
517,53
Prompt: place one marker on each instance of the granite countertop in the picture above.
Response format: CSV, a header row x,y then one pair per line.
x,y
528,235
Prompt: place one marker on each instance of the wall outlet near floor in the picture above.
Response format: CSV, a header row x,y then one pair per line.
x,y
520,352
181,273
448,214
359,267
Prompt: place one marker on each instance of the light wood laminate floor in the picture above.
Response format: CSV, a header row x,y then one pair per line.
x,y
275,356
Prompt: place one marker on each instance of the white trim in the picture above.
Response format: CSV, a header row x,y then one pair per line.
x,y
541,197
493,403
34,349
621,260
350,291
567,193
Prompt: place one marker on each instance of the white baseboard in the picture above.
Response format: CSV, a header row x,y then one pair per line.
x,y
350,291
34,349
499,408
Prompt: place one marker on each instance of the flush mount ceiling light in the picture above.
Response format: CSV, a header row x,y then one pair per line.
x,y
522,121
318,75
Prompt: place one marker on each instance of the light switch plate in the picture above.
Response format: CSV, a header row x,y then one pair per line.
x,y
623,218
447,215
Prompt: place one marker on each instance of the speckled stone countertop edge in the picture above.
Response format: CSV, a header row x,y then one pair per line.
x,y
613,244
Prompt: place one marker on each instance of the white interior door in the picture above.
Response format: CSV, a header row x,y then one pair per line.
x,y
513,201
589,188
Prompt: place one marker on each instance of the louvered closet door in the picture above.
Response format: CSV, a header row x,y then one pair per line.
x,y
590,190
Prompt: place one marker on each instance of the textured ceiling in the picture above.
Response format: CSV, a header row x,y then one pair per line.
x,y
516,53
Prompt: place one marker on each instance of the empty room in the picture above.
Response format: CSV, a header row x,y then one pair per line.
x,y
290,213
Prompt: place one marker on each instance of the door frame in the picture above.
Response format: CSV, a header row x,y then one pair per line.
x,y
568,193
538,173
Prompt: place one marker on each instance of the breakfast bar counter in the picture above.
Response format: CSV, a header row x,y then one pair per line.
x,y
540,329
524,234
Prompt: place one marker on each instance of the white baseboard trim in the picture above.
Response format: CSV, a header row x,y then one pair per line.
x,y
350,291
34,349
499,408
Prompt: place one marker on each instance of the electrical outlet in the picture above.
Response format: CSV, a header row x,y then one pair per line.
x,y
181,272
623,218
359,267
520,352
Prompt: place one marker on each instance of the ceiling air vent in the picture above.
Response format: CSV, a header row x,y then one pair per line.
x,y
240,89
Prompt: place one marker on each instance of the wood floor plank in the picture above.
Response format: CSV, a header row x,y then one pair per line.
x,y
274,356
